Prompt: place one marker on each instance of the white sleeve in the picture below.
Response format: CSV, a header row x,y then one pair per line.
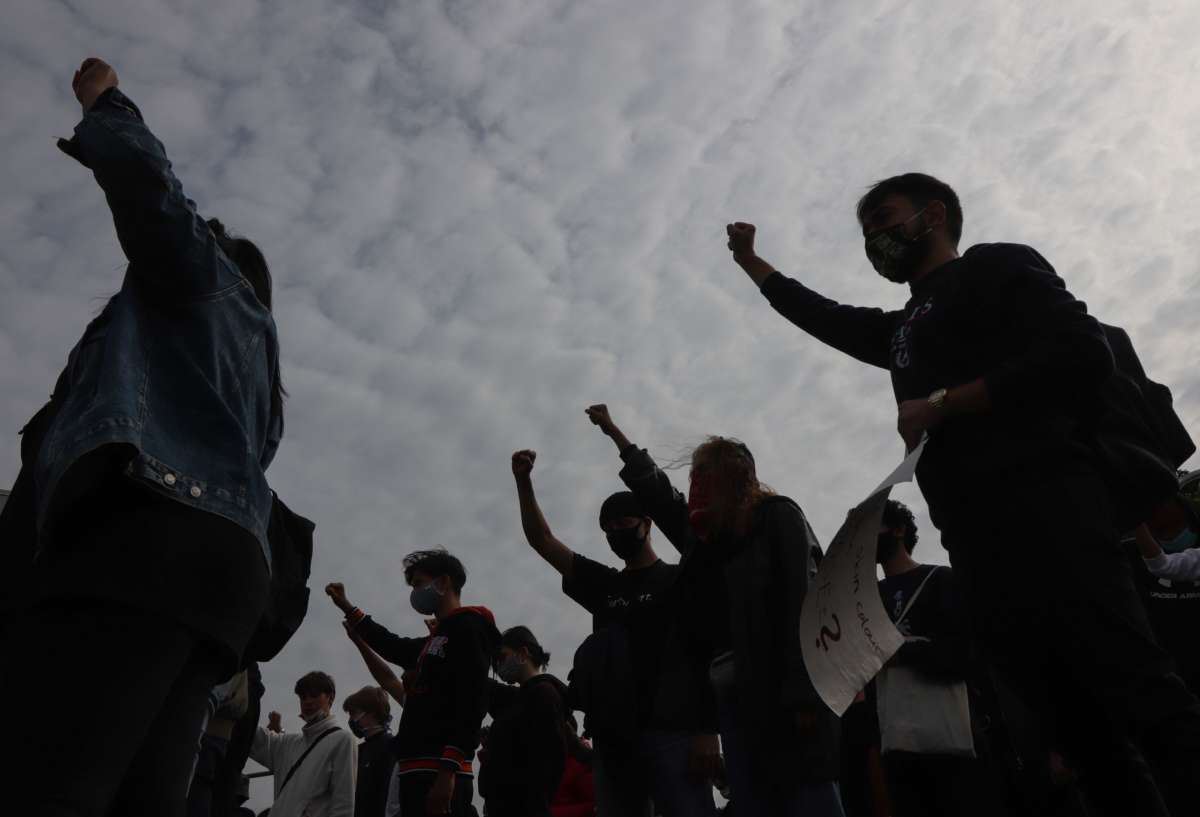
x,y
1178,567
344,776
265,747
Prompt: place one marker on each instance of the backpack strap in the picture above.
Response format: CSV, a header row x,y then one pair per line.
x,y
300,760
913,598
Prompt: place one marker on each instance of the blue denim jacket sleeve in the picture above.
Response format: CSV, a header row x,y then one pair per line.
x,y
162,235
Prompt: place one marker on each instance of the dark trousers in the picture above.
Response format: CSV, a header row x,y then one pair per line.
x,y
927,785
1052,603
201,795
106,705
414,791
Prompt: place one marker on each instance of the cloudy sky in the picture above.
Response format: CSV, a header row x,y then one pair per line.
x,y
484,215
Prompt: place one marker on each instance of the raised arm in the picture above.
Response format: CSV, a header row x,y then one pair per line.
x,y
391,647
864,333
378,668
533,522
169,245
666,507
1177,567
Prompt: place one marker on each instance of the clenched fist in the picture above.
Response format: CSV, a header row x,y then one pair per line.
x,y
741,239
93,78
522,462
337,592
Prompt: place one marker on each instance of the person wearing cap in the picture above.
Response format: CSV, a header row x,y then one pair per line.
x,y
644,752
744,573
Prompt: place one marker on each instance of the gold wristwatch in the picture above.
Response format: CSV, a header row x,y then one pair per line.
x,y
938,399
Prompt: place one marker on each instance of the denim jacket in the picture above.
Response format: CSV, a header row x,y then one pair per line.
x,y
177,370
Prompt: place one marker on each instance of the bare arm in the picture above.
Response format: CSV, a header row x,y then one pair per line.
x,y
378,668
533,522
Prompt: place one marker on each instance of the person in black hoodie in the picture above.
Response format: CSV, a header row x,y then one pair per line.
x,y
526,748
746,561
1004,370
446,684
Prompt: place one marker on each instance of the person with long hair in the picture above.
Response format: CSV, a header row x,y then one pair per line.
x,y
526,748
746,562
149,566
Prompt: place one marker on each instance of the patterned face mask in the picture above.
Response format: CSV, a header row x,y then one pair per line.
x,y
894,254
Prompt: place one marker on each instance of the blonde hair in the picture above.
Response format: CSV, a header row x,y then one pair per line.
x,y
736,489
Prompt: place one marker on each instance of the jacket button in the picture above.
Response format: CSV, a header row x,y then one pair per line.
x,y
169,479
195,492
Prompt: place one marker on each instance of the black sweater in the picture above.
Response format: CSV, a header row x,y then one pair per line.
x,y
375,766
1001,313
447,687
526,747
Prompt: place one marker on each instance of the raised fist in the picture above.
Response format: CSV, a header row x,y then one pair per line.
x,y
599,416
337,592
93,78
275,722
522,462
741,239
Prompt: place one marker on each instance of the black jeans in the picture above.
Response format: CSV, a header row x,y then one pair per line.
x,y
414,790
1053,604
106,705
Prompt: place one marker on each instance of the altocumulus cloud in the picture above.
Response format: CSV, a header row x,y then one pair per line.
x,y
484,216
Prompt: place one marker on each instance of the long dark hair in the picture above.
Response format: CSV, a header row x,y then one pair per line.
x,y
252,264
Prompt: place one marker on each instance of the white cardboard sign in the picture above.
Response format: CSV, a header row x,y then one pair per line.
x,y
845,633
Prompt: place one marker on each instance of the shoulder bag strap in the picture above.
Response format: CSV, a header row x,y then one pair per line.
x,y
920,587
311,746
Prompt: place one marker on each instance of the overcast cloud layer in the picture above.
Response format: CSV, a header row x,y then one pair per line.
x,y
485,215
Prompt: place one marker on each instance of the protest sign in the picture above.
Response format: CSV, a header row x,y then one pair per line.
x,y
844,631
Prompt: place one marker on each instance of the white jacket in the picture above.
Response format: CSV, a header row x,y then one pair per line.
x,y
323,786
1178,567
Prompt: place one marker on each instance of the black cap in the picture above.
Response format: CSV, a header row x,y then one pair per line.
x,y
620,505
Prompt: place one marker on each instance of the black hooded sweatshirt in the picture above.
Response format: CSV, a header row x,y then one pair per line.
x,y
526,747
446,684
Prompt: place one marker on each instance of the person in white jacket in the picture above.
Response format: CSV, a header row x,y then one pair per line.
x,y
315,770
1168,542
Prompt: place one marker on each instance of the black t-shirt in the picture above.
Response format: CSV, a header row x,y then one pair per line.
x,y
933,616
634,600
897,591
1174,612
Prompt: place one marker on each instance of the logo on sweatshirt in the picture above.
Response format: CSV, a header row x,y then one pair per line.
x,y
901,341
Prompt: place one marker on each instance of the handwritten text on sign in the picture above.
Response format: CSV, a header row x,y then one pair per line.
x,y
844,631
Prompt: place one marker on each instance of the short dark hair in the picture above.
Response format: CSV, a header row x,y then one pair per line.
x,y
519,637
435,562
897,515
373,701
920,189
316,683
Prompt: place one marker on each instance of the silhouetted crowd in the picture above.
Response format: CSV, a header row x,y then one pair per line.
x,y
1051,669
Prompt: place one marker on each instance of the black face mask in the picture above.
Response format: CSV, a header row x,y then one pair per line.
x,y
626,542
894,254
885,547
